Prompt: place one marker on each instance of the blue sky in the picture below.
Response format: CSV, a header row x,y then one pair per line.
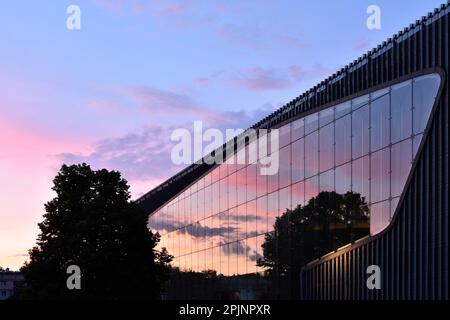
x,y
111,93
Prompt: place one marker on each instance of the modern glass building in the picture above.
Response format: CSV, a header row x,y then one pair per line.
x,y
362,180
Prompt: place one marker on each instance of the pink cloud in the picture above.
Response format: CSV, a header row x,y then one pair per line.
x,y
27,167
167,13
259,78
204,81
361,44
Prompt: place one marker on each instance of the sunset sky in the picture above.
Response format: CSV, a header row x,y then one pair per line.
x,y
111,93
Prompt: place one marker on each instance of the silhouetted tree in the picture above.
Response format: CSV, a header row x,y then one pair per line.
x,y
327,222
93,224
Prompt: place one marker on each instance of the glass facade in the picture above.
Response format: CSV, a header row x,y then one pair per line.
x,y
341,173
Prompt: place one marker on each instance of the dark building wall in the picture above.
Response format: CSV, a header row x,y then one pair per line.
x,y
413,252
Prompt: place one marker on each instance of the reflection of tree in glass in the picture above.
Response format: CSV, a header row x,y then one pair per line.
x,y
327,222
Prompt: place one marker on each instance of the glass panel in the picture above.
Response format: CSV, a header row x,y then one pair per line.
x,y
326,116
425,90
223,171
208,202
298,160
230,164
343,179
285,167
223,194
262,181
201,183
232,190
298,129
312,154
240,222
342,109
272,209
379,217
227,232
376,94
326,147
241,177
285,199
343,140
194,212
252,217
252,153
416,144
326,180
311,123
201,204
401,111
234,215
394,204
360,132
216,198
251,182
360,101
207,179
360,177
298,194
260,253
401,166
214,175
193,188
285,135
261,204
311,188
379,127
379,175
272,179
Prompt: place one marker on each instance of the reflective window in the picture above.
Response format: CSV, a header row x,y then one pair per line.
x,y
379,123
379,216
298,129
326,147
326,181
326,116
401,157
343,134
343,178
298,160
342,109
360,177
360,132
379,175
341,173
425,90
312,154
311,123
298,194
251,182
261,188
360,101
401,111
285,167
285,135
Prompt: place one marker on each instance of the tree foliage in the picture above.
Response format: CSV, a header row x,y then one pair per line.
x,y
93,224
327,222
